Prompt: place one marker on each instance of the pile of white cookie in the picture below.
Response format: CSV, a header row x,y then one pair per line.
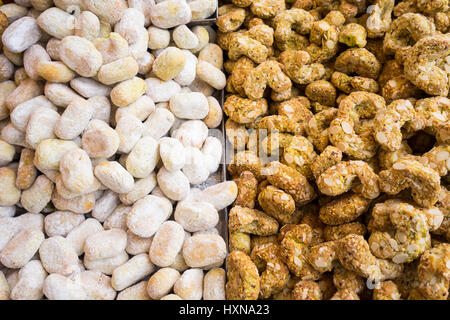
x,y
106,152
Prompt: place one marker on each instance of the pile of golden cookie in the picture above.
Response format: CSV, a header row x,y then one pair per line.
x,y
338,117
